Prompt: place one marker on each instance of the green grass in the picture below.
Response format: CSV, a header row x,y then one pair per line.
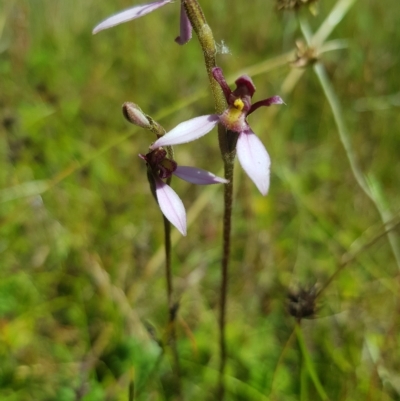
x,y
81,239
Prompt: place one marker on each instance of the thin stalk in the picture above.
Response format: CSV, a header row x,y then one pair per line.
x,y
350,257
168,269
343,134
207,43
334,103
228,200
309,365
172,307
355,168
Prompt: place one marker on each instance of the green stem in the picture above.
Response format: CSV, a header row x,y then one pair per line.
x,y
343,134
368,188
357,172
309,365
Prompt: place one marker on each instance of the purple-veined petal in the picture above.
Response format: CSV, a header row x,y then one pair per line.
x,y
129,14
186,28
254,159
266,102
198,176
171,205
187,131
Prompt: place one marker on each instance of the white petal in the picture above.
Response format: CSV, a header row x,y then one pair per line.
x,y
171,205
187,131
198,176
254,159
129,14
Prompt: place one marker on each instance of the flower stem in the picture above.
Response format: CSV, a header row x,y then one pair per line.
x,y
207,43
172,307
228,200
168,270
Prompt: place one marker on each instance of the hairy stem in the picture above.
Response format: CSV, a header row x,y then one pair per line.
x,y
207,43
228,200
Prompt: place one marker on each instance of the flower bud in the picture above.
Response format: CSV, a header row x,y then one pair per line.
x,y
133,113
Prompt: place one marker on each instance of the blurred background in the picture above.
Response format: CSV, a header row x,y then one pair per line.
x,y
83,311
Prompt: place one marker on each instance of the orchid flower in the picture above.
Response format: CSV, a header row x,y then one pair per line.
x,y
143,9
161,167
252,154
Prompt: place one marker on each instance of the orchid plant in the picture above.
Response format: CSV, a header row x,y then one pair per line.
x,y
234,134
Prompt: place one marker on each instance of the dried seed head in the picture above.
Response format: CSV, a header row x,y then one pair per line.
x,y
302,302
296,4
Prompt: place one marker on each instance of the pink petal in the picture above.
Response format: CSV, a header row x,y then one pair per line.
x,y
254,159
198,176
186,28
129,14
171,205
187,131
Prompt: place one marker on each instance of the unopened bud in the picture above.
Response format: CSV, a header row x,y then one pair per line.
x,y
133,113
